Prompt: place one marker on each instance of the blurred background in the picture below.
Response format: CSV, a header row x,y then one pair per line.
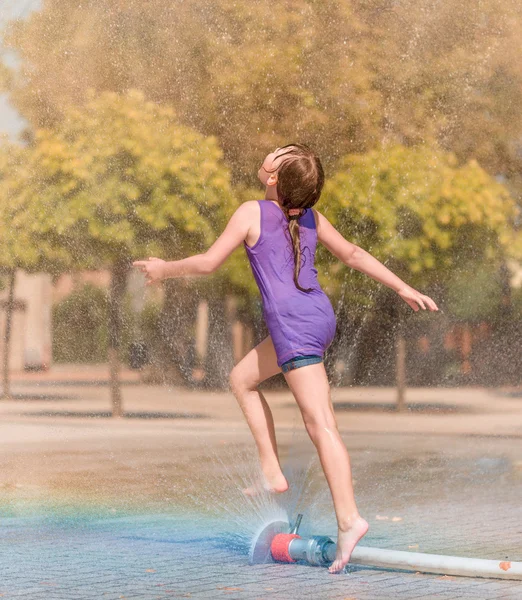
x,y
137,128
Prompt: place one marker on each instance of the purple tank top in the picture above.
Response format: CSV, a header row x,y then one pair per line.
x,y
299,322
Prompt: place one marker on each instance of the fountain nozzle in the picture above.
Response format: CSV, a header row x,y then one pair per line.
x,y
273,543
279,541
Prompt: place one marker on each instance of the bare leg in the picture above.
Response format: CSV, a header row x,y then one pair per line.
x,y
311,389
259,364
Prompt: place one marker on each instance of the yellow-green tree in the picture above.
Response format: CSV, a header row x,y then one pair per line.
x,y
252,74
19,249
420,213
341,75
119,178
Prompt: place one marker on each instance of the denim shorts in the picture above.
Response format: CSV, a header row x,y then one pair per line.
x,y
301,361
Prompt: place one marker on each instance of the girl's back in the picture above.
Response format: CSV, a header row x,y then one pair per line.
x,y
300,323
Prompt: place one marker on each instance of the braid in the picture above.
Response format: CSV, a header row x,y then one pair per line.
x,y
293,229
299,185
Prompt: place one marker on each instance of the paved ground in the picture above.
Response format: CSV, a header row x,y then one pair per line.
x,y
150,506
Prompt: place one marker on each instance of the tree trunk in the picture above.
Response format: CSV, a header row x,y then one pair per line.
x,y
6,388
119,273
220,359
466,346
401,371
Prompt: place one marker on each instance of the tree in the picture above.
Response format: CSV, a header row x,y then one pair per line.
x,y
120,178
19,248
340,75
240,72
420,213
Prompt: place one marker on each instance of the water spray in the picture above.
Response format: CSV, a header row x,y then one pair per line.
x,y
279,542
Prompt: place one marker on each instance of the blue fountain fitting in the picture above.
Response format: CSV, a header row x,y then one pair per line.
x,y
318,550
280,542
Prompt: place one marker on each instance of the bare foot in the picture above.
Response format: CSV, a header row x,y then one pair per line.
x,y
274,485
346,542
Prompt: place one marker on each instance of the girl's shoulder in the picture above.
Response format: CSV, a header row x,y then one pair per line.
x,y
249,206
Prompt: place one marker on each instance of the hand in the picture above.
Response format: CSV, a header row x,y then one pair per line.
x,y
416,299
154,269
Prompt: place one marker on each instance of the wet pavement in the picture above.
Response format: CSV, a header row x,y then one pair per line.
x,y
152,507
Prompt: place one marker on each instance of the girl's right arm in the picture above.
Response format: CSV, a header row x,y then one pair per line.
x,y
357,258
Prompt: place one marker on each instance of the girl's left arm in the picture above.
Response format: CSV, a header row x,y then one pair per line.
x,y
357,258
233,235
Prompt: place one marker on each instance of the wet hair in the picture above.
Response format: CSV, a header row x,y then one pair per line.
x,y
300,180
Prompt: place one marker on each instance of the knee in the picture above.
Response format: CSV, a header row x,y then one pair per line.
x,y
320,426
237,380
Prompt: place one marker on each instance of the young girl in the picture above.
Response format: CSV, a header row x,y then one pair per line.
x,y
280,234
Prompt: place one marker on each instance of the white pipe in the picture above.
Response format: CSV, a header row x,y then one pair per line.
x,y
436,563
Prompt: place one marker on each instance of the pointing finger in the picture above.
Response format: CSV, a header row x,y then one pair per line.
x,y
432,305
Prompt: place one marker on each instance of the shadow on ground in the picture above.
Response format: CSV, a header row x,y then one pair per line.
x,y
30,397
105,414
410,407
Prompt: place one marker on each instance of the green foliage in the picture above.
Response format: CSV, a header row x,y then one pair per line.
x,y
80,332
341,75
80,326
474,294
119,178
18,222
419,212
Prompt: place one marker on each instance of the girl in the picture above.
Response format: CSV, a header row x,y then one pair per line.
x,y
280,234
